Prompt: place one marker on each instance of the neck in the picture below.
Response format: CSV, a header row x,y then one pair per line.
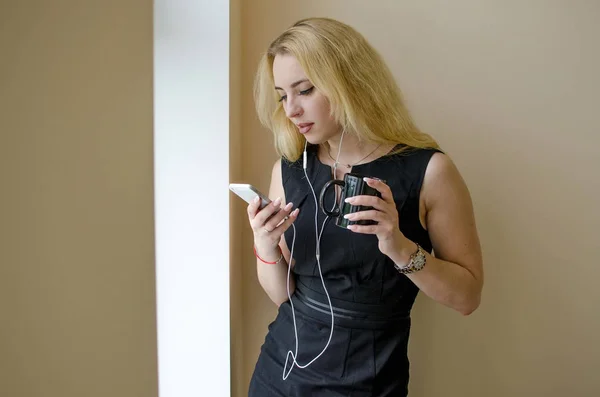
x,y
353,150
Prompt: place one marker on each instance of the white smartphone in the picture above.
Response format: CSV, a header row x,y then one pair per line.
x,y
248,193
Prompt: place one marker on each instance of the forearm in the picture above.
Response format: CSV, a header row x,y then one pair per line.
x,y
445,282
274,280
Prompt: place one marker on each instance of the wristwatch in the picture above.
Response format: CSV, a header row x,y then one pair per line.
x,y
416,262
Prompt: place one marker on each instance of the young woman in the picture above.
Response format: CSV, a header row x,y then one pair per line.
x,y
334,108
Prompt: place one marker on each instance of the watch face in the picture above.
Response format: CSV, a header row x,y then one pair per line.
x,y
416,262
419,261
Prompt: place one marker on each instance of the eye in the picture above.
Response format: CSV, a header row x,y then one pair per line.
x,y
308,91
305,92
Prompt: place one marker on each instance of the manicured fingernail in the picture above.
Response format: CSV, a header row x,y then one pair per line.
x,y
295,212
347,216
277,201
256,199
348,200
288,206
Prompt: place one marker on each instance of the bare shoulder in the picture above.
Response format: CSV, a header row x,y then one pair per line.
x,y
276,190
441,175
449,214
276,186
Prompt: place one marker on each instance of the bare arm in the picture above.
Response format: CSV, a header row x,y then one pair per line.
x,y
454,277
271,245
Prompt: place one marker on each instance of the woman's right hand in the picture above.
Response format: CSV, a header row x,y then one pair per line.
x,y
268,225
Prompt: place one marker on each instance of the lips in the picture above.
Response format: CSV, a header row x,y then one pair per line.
x,y
304,127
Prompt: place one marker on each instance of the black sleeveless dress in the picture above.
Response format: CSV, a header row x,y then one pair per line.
x,y
367,355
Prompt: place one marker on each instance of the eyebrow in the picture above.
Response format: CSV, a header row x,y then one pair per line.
x,y
293,84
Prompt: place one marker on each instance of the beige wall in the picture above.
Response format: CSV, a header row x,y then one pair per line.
x,y
510,89
77,299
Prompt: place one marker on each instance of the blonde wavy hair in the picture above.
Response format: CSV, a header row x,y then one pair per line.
x,y
364,97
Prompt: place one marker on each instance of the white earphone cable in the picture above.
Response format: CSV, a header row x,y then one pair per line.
x,y
318,235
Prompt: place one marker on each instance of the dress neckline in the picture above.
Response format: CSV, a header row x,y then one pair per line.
x,y
315,151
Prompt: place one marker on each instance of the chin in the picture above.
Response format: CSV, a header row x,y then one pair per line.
x,y
315,140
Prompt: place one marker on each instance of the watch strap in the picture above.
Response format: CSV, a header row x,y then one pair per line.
x,y
415,263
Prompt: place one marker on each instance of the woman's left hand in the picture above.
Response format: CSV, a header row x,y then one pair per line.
x,y
391,240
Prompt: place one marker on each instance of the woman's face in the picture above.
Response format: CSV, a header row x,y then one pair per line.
x,y
302,102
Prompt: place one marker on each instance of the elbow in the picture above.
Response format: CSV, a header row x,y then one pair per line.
x,y
279,302
470,305
277,298
468,310
472,298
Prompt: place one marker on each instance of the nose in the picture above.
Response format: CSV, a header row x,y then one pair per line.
x,y
292,108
